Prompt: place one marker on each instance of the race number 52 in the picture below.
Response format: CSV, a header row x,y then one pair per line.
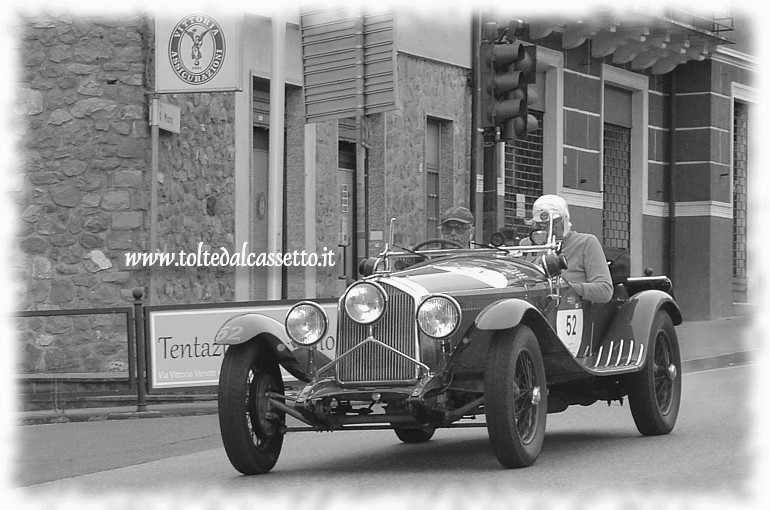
x,y
569,327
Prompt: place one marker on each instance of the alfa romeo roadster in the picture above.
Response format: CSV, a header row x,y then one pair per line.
x,y
430,338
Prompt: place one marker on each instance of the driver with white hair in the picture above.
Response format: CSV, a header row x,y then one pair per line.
x,y
587,270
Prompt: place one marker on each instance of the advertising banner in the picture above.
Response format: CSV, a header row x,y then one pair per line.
x,y
181,342
198,52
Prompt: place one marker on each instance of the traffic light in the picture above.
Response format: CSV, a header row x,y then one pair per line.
x,y
508,72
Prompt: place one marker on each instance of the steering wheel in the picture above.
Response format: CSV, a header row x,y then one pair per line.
x,y
443,243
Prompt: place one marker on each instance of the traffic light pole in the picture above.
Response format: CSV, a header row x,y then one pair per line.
x,y
490,188
477,137
494,187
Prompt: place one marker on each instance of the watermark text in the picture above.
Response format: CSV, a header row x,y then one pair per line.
x,y
224,258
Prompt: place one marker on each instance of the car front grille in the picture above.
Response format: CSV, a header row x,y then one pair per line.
x,y
373,363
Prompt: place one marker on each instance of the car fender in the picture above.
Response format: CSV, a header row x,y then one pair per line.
x,y
504,314
633,322
261,328
242,328
508,313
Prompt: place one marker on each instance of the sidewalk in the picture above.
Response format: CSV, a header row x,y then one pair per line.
x,y
704,345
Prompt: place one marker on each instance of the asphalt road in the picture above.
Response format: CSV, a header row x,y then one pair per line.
x,y
590,452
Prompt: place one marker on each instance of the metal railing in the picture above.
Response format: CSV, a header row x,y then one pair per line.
x,y
717,23
137,358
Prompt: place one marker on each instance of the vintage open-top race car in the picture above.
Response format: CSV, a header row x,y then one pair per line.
x,y
492,332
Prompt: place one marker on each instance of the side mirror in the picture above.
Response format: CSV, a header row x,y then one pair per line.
x,y
553,264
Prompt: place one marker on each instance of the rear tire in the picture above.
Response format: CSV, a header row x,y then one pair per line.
x,y
252,431
515,397
415,435
655,392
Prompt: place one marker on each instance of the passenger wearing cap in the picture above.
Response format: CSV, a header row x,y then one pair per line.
x,y
587,270
457,225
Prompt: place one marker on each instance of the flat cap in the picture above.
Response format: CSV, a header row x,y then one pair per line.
x,y
457,213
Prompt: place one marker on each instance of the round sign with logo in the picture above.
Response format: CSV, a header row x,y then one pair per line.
x,y
197,48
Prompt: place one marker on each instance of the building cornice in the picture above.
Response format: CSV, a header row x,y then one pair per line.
x,y
739,59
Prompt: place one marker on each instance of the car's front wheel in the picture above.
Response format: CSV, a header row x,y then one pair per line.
x,y
252,431
415,435
655,392
515,397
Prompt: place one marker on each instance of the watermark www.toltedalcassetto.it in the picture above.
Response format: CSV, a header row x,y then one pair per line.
x,y
224,258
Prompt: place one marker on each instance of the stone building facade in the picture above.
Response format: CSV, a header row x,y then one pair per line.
x,y
85,90
81,88
83,205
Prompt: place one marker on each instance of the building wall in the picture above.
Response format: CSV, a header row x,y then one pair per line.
x,y
655,227
426,88
582,130
294,207
83,202
196,190
655,247
702,186
443,35
327,203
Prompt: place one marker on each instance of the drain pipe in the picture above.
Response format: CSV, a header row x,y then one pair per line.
x,y
671,179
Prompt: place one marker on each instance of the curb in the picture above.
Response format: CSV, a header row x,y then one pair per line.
x,y
99,415
721,361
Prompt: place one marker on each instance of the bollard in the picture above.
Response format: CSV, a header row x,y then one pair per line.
x,y
131,333
141,360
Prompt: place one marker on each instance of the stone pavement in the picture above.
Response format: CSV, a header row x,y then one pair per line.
x,y
704,345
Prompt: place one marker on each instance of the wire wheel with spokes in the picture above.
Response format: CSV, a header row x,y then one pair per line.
x,y
654,393
252,430
524,386
515,397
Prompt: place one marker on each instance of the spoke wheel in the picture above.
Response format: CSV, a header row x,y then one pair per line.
x,y
252,430
524,388
515,397
655,392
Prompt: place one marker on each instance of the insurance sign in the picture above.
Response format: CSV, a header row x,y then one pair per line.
x,y
198,52
181,341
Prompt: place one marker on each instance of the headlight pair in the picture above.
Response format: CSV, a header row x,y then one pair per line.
x,y
306,322
438,316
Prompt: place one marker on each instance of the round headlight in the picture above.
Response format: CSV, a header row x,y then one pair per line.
x,y
306,323
438,316
365,302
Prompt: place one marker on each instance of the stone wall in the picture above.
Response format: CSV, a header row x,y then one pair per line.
x,y
196,198
82,204
294,206
426,89
327,203
84,200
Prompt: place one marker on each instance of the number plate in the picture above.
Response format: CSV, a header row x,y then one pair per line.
x,y
569,327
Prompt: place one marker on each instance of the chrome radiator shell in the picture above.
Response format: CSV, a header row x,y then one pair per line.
x,y
373,364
